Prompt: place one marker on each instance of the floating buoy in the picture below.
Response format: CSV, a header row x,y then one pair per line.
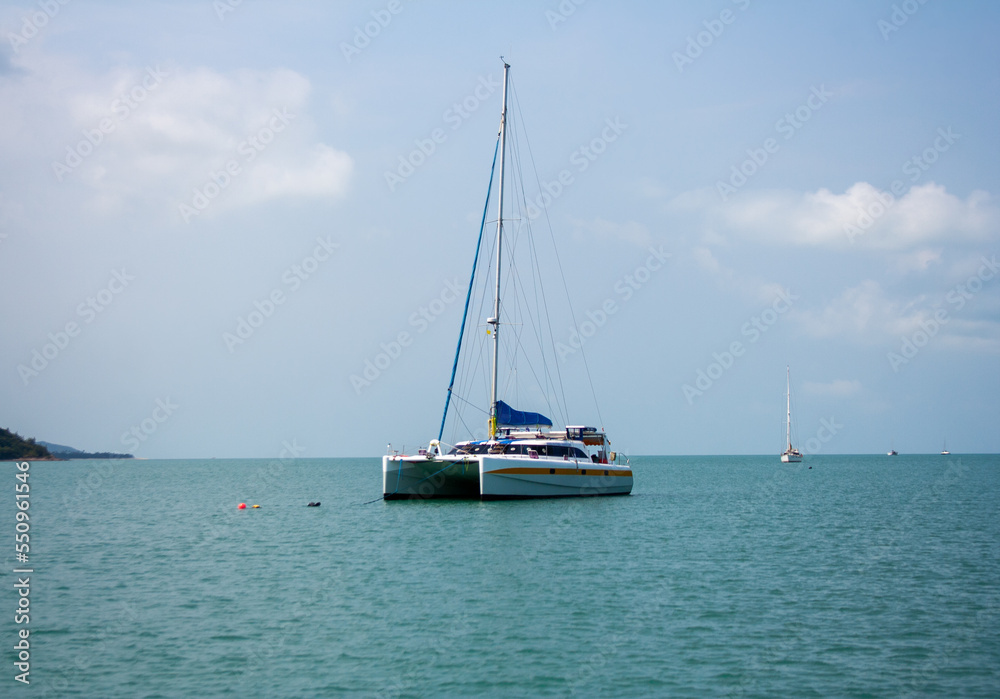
x,y
313,504
241,506
256,506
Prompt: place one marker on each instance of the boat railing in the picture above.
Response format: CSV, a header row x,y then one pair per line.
x,y
618,459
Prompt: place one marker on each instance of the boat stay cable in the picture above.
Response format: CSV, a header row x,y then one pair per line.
x,y
468,295
539,295
562,274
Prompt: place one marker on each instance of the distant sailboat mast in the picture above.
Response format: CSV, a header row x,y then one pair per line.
x,y
790,455
788,412
495,320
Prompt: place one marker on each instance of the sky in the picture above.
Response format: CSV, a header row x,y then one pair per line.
x,y
215,217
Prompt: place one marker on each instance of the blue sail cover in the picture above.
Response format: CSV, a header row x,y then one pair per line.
x,y
509,417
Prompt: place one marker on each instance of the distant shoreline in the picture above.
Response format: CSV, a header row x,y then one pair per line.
x,y
60,456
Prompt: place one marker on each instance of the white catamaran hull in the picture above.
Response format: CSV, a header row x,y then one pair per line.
x,y
499,478
520,459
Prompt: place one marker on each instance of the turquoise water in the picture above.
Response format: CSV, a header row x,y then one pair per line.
x,y
720,576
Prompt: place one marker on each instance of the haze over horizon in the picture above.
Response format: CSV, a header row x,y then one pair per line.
x,y
216,216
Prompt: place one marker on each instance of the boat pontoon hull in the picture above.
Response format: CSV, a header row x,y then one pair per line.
x,y
497,478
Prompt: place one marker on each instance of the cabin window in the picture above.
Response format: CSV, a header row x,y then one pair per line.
x,y
558,450
471,449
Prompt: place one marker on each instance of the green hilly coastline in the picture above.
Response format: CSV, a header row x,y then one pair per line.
x,y
13,447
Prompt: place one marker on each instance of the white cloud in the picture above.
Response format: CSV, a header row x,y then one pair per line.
x,y
747,286
863,216
148,136
861,311
864,313
319,172
981,336
928,243
708,262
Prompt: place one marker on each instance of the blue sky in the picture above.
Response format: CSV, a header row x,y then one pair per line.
x,y
804,184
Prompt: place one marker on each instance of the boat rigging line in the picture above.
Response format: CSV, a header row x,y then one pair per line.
x,y
562,274
468,295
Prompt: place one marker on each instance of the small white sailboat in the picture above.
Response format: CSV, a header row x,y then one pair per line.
x,y
522,457
791,455
944,449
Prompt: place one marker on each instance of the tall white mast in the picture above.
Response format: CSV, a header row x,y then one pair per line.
x,y
495,320
788,423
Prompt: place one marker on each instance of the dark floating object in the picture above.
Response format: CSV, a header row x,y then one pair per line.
x,y
313,504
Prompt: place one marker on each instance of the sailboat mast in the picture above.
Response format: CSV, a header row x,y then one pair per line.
x,y
495,320
788,393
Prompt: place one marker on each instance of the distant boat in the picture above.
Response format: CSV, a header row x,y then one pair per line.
x,y
791,455
892,452
944,449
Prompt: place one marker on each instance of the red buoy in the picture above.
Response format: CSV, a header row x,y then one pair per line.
x,y
242,506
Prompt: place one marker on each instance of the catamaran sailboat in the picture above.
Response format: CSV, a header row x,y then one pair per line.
x,y
521,456
791,455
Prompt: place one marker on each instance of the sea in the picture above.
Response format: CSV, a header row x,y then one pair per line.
x,y
728,576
